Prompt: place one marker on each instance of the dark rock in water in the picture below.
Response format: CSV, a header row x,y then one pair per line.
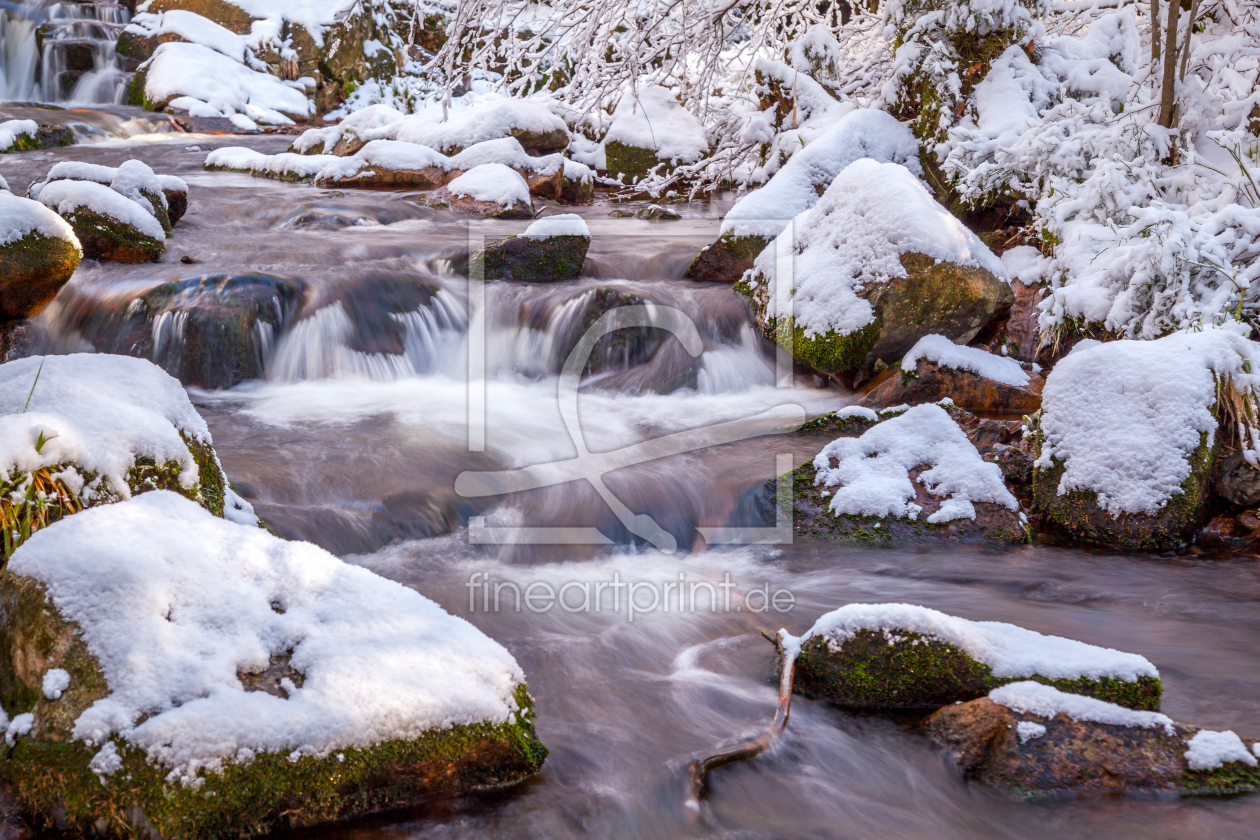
x,y
567,319
1031,755
657,213
32,271
909,670
931,382
551,260
19,339
1234,480
212,331
372,304
726,260
45,137
176,204
1230,534
443,199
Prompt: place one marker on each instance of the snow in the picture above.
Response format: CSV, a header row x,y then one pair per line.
x,y
1208,750
18,727
385,154
872,477
1126,415
942,351
56,681
367,119
4,185
507,151
473,119
1008,650
173,183
857,411
1033,698
174,602
561,224
97,412
193,28
73,170
21,217
1029,731
195,74
65,197
870,216
864,133
491,182
651,118
1025,264
10,130
134,176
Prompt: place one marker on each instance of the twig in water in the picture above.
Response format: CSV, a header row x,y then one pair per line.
x,y
699,771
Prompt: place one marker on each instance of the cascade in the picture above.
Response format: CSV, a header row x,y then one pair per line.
x,y
61,52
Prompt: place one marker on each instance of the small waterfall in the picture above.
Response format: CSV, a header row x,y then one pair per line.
x,y
61,52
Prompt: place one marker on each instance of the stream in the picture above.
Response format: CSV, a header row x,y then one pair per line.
x,y
353,445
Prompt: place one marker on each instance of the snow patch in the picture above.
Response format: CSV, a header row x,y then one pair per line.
x,y
56,681
21,217
491,182
1034,698
1028,731
651,118
1209,750
561,224
942,351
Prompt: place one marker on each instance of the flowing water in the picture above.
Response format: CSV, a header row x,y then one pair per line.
x,y
355,428
61,52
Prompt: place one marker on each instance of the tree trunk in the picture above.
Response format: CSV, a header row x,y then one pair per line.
x,y
1154,34
1185,50
1170,65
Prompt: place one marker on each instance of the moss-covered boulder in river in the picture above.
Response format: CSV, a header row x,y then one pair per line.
x,y
900,656
550,250
876,265
231,682
38,253
650,129
97,429
110,226
492,190
896,477
1128,433
1031,740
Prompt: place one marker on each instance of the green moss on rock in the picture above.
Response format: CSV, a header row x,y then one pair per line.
x,y
1077,516
32,271
631,161
552,260
726,260
910,670
110,240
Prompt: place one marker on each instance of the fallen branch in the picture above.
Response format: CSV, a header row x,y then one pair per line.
x,y
752,747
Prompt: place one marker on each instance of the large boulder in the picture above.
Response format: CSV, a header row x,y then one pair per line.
x,y
38,253
270,692
650,129
975,380
97,429
901,656
757,218
877,264
110,226
550,250
904,476
1127,436
1030,740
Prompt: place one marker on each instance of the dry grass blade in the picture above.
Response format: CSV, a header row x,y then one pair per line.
x,y
41,501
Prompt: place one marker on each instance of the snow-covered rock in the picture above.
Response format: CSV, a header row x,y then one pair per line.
x,y
876,265
386,163
38,253
551,249
902,655
97,429
476,118
206,83
649,128
137,181
490,189
343,138
1030,739
973,378
1128,436
219,676
110,226
18,135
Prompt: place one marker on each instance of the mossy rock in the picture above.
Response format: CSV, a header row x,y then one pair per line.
x,y
107,239
631,162
1071,757
911,671
1077,516
32,271
52,782
23,511
726,260
577,191
552,260
933,298
226,14
176,205
542,142
45,137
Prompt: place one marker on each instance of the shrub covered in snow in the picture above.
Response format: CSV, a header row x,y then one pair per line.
x,y
219,675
